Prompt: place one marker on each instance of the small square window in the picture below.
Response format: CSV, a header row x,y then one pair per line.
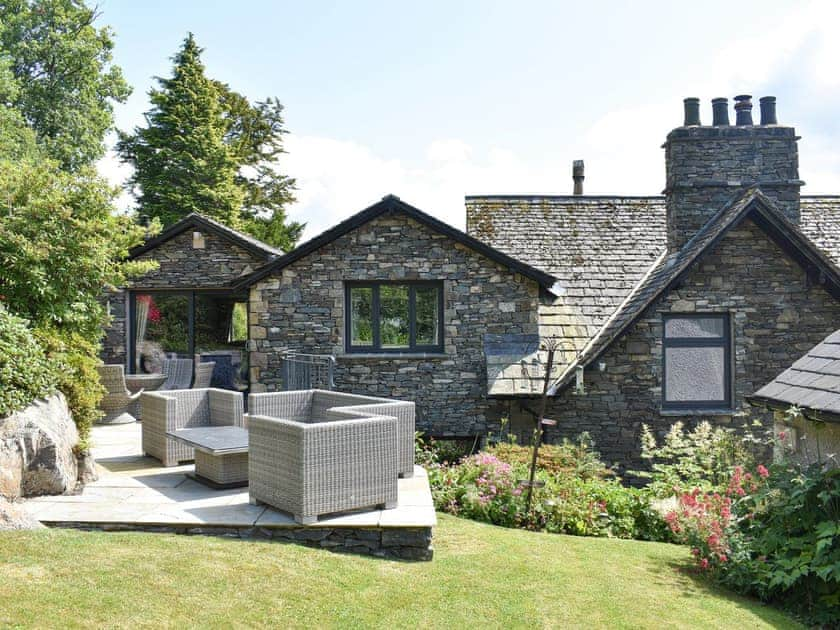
x,y
696,362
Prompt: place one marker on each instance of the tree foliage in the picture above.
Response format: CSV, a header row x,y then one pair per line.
x,y
66,81
207,149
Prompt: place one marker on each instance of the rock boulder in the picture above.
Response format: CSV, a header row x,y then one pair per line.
x,y
37,450
13,516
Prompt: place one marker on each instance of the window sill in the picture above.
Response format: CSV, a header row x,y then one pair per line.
x,y
698,412
350,356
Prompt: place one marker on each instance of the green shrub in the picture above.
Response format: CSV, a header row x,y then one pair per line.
x,y
785,545
702,458
25,371
576,458
483,487
76,376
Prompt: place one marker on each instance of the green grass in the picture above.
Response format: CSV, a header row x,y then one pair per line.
x,y
480,574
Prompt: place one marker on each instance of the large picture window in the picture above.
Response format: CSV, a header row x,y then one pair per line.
x,y
394,316
696,359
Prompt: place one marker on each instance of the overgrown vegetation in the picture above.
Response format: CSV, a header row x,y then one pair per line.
x,y
25,371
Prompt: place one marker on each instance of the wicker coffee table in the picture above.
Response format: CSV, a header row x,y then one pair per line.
x,y
221,455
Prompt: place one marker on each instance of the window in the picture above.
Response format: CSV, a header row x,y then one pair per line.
x,y
394,316
696,359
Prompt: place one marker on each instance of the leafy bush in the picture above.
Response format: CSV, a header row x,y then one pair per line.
x,y
571,458
774,534
483,487
702,458
25,371
76,376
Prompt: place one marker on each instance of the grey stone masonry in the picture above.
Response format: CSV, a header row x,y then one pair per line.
x,y
301,307
707,166
195,259
776,315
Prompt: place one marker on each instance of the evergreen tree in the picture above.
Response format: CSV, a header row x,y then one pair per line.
x,y
66,82
207,149
182,162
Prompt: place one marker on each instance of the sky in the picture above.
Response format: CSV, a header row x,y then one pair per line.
x,y
433,101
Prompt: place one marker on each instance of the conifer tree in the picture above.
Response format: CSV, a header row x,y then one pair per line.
x,y
207,149
182,162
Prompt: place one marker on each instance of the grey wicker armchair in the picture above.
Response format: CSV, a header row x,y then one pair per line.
x,y
203,374
313,405
117,398
179,409
326,465
179,374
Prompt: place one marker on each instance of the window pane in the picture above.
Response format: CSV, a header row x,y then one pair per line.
x,y
393,315
219,337
695,374
361,316
693,327
426,309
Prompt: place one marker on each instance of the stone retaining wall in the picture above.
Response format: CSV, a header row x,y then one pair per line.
x,y
396,543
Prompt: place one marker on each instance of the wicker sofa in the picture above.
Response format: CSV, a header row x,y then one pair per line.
x,y
181,408
319,465
313,406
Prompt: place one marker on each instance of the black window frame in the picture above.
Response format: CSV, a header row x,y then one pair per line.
x,y
376,346
698,342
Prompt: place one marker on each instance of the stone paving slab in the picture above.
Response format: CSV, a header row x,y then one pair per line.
x,y
137,490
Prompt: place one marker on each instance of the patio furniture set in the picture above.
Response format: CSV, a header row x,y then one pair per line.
x,y
122,391
309,453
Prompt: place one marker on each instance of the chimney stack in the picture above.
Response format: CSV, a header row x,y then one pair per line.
x,y
768,110
706,166
692,111
720,112
743,110
577,176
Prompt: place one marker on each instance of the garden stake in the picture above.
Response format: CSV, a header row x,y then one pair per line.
x,y
550,346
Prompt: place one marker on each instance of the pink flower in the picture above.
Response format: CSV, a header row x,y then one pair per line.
x,y
782,435
762,472
704,563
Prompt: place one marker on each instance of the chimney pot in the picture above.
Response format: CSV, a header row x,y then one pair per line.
x,y
743,110
768,110
577,176
720,112
691,106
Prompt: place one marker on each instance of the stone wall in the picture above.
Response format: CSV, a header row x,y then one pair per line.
x,y
707,166
302,307
776,316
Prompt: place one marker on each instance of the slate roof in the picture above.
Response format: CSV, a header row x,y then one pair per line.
x,y
812,382
752,203
602,249
195,220
393,204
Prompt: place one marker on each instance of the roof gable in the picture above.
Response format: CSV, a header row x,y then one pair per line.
x,y
670,269
393,204
199,221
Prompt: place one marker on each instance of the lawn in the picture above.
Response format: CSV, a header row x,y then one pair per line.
x,y
480,574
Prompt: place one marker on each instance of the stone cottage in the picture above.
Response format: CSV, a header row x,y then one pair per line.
x,y
664,307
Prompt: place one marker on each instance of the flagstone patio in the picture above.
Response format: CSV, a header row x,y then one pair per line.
x,y
136,493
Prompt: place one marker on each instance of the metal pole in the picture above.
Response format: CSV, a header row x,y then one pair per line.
x,y
539,432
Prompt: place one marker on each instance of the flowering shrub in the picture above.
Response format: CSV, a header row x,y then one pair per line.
x,y
774,534
571,457
701,458
483,487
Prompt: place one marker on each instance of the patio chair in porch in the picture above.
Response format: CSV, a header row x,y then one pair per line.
x,y
179,374
117,398
203,374
186,408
